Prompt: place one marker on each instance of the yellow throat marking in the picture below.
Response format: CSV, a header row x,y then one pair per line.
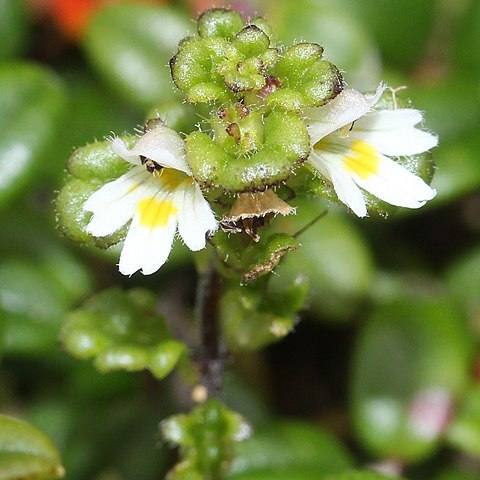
x,y
172,178
364,160
155,213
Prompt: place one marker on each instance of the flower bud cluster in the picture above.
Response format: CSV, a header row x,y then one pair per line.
x,y
259,88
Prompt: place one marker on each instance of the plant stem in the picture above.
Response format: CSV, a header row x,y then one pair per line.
x,y
212,349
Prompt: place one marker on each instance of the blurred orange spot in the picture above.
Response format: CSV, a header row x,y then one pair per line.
x,y
72,16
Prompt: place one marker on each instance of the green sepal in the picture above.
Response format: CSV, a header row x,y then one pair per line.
x,y
72,219
243,260
121,331
90,167
258,314
306,79
206,437
285,144
26,453
261,258
97,161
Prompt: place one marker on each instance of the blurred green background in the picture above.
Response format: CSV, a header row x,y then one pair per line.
x,y
383,366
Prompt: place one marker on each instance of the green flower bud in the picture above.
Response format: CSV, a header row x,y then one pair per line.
x,y
306,80
206,437
219,22
225,60
251,150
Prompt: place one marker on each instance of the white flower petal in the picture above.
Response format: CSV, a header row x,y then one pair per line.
x,y
195,217
344,109
150,237
164,146
392,132
389,119
114,203
394,184
330,166
119,148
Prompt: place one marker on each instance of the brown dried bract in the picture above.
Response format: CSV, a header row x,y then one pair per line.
x,y
252,211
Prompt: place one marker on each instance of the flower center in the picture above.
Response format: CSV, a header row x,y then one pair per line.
x,y
172,178
155,213
364,160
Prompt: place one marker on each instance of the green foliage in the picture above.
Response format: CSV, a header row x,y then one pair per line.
x,y
413,357
288,450
129,45
13,28
26,453
339,282
32,102
122,332
36,288
464,432
359,475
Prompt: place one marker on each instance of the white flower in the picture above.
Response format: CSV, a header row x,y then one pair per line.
x,y
352,145
158,194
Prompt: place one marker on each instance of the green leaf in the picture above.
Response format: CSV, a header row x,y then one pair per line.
x,y
31,102
40,280
439,99
339,30
464,432
68,275
411,363
467,55
130,45
462,278
283,450
122,332
13,28
26,453
457,474
390,24
333,255
31,307
451,181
